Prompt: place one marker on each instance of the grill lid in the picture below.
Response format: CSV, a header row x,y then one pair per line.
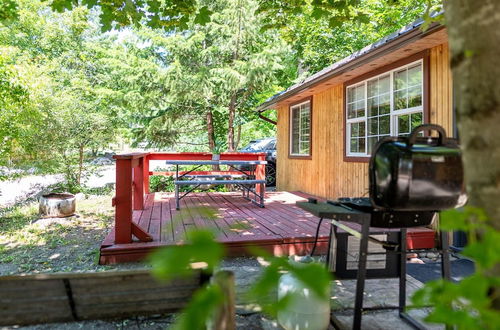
x,y
417,173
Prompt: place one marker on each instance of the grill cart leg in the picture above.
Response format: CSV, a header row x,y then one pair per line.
x,y
402,272
262,190
445,256
360,282
177,204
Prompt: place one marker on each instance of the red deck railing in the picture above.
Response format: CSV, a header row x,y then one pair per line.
x,y
132,183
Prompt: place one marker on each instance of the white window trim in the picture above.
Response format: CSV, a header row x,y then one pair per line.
x,y
393,113
300,124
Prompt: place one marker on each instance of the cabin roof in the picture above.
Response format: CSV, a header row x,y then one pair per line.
x,y
383,46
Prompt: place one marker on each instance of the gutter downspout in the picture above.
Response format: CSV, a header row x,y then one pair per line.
x,y
261,116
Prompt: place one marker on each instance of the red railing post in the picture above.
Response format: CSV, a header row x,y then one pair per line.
x,y
260,174
129,183
145,175
139,185
123,201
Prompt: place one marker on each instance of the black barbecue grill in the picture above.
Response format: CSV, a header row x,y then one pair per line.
x,y
410,180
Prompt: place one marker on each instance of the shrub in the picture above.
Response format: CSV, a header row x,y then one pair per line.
x,y
161,183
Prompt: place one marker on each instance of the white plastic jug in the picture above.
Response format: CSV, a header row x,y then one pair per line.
x,y
306,310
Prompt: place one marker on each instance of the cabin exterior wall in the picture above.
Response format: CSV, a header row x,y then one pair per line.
x,y
326,173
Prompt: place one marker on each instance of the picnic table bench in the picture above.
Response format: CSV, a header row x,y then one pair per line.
x,y
247,181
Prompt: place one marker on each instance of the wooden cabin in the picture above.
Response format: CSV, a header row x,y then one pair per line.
x,y
328,123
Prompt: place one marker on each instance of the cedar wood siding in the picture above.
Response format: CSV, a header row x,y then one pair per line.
x,y
326,174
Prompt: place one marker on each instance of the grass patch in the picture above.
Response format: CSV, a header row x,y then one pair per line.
x,y
62,245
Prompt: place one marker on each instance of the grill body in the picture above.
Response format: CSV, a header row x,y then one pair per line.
x,y
417,173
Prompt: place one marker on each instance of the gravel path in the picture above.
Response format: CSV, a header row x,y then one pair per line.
x,y
29,187
19,190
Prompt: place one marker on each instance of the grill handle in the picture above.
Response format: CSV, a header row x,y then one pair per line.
x,y
427,127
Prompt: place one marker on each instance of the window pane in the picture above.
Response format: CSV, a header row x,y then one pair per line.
x,y
295,130
373,126
371,143
350,111
403,124
362,129
377,99
354,145
384,84
373,106
300,130
400,100
414,97
360,92
416,120
372,88
361,145
350,95
360,109
385,125
384,104
415,75
400,79
355,129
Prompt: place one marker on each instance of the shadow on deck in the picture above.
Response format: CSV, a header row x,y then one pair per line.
x,y
280,228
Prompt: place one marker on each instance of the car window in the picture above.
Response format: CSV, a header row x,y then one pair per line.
x,y
271,145
256,145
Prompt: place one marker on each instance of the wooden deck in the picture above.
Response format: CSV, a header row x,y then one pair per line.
x,y
280,227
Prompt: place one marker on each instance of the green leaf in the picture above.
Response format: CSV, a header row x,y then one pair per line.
x,y
203,16
61,5
486,251
314,276
175,261
200,308
8,10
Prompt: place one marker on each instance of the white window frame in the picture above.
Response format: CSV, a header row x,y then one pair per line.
x,y
290,153
393,113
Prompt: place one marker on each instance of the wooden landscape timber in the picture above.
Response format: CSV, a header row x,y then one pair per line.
x,y
66,297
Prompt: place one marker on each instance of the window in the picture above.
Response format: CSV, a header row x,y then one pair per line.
x,y
389,104
300,129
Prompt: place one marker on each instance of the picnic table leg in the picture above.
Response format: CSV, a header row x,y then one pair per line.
x,y
177,203
260,174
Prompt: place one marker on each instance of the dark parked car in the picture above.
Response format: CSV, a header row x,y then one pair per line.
x,y
267,145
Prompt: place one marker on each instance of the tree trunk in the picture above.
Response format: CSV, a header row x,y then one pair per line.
x,y
80,165
211,135
230,128
238,137
475,44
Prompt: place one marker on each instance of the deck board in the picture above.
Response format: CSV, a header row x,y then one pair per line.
x,y
281,227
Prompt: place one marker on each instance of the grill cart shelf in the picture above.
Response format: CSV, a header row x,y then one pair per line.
x,y
345,219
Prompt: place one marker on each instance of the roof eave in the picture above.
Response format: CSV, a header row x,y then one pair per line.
x,y
396,43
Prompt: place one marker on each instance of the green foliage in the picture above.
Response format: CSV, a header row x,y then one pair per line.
x,y
322,33
313,275
216,69
167,14
469,303
219,147
201,307
8,10
176,261
161,183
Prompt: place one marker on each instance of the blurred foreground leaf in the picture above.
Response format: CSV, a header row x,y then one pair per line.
x,y
175,261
